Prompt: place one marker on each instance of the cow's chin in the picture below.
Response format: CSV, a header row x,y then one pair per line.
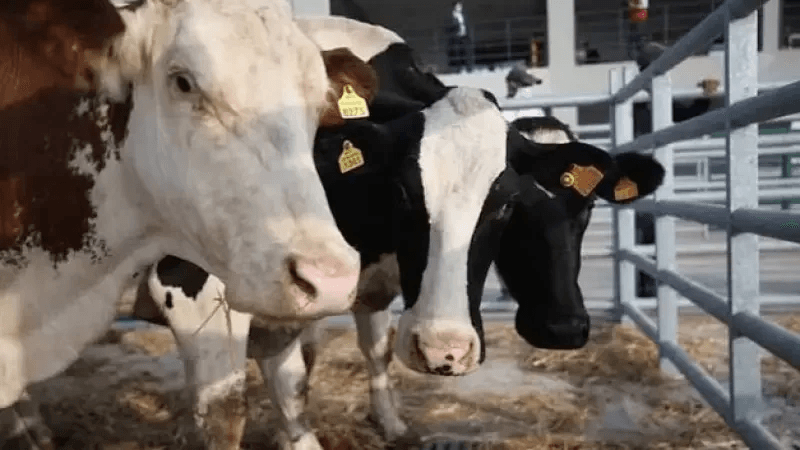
x,y
297,307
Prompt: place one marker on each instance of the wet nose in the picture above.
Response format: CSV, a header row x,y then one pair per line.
x,y
569,332
321,285
446,352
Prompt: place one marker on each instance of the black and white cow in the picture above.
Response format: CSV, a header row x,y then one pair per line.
x,y
425,178
551,311
425,209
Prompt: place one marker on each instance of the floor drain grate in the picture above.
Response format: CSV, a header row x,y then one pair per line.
x,y
451,445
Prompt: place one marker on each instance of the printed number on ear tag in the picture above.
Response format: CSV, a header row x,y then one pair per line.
x,y
625,189
351,157
351,106
582,178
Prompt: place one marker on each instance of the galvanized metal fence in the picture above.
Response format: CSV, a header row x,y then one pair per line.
x,y
741,404
739,192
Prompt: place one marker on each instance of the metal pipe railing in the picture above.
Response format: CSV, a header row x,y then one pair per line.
x,y
740,216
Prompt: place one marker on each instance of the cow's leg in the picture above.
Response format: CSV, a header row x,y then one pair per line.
x,y
213,344
373,340
286,373
22,426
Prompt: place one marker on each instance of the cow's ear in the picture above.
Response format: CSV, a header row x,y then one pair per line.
x,y
636,176
350,78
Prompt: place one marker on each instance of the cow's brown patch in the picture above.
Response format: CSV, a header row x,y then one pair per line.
x,y
343,68
44,202
43,43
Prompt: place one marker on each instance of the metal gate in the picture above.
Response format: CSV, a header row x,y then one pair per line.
x,y
741,404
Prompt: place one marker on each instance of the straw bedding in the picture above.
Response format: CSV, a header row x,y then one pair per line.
x,y
125,394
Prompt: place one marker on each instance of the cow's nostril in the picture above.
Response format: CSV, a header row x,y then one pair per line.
x,y
304,285
449,357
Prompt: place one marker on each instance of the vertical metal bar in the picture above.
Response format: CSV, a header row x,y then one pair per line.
x,y
666,25
786,172
665,225
622,218
741,78
508,40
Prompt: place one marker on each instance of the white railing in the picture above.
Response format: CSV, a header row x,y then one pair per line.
x,y
741,404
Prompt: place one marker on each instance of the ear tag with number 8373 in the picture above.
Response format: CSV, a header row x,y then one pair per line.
x,y
351,106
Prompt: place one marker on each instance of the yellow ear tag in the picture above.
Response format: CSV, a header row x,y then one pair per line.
x,y
625,189
351,106
351,157
582,178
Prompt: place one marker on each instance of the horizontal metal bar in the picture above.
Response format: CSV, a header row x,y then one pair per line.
x,y
768,304
641,262
702,34
762,184
769,140
644,323
708,387
600,98
696,212
782,225
689,250
592,128
776,103
720,196
710,301
554,100
703,154
779,341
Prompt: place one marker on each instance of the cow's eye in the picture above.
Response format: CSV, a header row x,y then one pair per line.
x,y
183,82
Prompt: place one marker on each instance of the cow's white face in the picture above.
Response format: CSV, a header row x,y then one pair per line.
x,y
226,102
461,155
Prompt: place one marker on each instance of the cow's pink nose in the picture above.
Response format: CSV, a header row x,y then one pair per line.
x,y
446,352
323,286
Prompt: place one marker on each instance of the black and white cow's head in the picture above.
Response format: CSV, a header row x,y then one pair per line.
x,y
431,187
540,255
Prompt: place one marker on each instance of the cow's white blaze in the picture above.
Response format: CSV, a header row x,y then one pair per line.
x,y
462,153
547,136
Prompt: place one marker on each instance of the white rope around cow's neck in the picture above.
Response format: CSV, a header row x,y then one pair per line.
x,y
222,303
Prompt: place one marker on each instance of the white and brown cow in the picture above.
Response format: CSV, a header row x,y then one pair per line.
x,y
197,143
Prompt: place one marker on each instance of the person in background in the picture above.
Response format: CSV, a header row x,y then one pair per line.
x,y
460,42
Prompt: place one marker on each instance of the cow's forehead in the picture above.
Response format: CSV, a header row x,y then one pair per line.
x,y
234,51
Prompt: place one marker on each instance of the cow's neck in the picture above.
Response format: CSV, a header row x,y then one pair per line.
x,y
74,300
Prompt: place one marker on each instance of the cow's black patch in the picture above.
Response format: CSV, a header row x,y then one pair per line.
x,y
491,97
132,5
380,206
495,214
168,300
399,74
175,272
